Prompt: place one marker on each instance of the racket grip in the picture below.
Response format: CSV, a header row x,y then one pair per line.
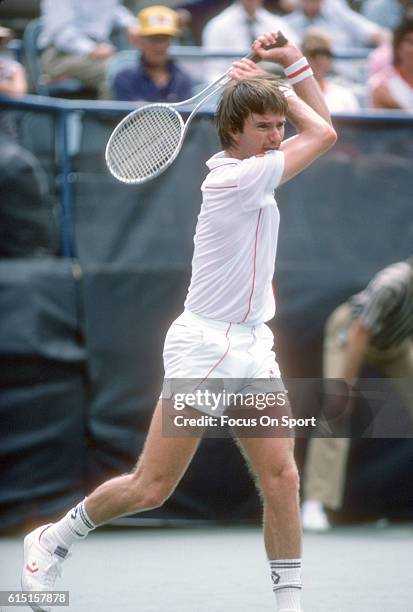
x,y
281,42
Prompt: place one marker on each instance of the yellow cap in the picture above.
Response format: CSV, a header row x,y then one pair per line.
x,y
158,20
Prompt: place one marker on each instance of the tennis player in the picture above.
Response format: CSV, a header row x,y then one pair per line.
x,y
222,331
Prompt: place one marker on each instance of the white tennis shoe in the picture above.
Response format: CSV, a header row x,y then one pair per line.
x,y
41,568
313,517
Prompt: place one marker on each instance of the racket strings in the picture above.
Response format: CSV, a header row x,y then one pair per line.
x,y
146,143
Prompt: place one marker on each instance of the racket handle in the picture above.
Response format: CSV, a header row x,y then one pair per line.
x,y
281,42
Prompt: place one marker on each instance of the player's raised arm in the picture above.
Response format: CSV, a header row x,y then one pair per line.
x,y
306,110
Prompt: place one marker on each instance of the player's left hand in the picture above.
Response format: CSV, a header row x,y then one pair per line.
x,y
245,69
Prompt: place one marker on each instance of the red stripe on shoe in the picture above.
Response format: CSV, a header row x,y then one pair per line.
x,y
42,532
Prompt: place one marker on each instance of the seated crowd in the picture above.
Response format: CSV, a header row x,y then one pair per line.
x,y
115,54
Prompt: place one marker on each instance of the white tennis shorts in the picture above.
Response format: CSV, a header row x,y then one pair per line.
x,y
204,349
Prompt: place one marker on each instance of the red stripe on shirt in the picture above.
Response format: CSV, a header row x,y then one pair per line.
x,y
221,359
274,291
221,187
227,164
254,270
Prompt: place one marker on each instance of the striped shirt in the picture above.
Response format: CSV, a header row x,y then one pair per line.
x,y
385,306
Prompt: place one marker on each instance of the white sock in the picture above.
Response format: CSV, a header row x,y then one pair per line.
x,y
74,526
286,584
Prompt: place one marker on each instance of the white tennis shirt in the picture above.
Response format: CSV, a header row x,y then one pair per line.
x,y
236,240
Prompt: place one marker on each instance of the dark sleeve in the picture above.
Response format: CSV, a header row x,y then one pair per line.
x,y
385,293
380,303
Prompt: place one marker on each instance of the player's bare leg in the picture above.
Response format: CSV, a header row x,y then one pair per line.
x,y
273,465
159,469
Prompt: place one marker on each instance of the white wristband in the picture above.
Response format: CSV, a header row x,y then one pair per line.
x,y
298,71
296,66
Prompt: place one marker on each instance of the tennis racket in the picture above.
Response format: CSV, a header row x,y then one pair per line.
x,y
148,140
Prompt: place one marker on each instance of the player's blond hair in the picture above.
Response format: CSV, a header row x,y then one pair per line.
x,y
259,95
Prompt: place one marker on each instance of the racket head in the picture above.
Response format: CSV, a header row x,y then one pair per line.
x,y
145,143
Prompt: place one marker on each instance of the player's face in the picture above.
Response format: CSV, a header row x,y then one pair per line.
x,y
261,133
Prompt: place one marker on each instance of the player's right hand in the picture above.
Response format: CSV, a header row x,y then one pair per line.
x,y
286,55
245,69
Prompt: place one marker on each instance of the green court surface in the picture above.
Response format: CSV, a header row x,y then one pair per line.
x,y
223,569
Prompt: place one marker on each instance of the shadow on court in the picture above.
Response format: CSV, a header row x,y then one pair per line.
x,y
223,569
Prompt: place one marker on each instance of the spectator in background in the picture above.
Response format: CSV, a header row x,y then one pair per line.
x,y
317,48
184,16
235,29
156,77
346,27
76,38
373,327
12,78
202,11
12,75
392,87
387,13
382,57
27,227
13,82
